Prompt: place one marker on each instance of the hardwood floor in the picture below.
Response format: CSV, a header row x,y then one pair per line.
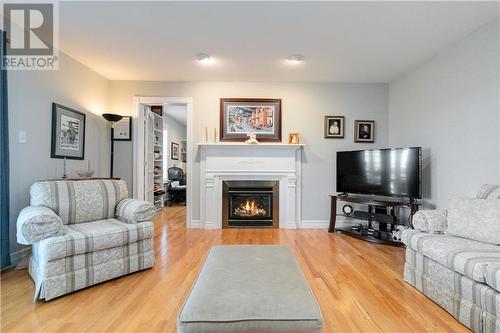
x,y
358,285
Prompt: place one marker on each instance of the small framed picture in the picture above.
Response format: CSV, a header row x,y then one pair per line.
x,y
364,131
122,130
334,127
174,151
293,138
68,133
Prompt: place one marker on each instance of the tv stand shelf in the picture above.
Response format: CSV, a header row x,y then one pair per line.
x,y
379,236
363,234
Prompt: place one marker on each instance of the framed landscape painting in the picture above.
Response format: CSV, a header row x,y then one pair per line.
x,y
241,116
68,133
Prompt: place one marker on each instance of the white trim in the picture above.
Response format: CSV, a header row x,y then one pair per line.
x,y
20,255
189,154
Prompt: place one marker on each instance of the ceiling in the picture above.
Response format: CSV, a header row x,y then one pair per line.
x,y
249,41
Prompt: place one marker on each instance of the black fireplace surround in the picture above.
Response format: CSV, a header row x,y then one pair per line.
x,y
250,203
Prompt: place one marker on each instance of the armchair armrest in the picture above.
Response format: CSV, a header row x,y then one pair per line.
x,y
133,211
431,221
35,223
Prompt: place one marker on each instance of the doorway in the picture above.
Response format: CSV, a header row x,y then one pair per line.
x,y
170,133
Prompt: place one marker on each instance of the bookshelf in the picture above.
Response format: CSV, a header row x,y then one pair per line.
x,y
158,150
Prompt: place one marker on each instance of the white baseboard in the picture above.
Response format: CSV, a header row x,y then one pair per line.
x,y
195,224
20,256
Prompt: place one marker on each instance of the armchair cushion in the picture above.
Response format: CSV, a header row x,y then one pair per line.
x,y
35,223
431,221
133,210
477,219
77,201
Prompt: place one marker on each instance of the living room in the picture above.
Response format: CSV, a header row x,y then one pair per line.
x,y
111,221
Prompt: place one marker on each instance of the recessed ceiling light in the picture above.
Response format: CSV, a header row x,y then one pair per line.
x,y
203,58
295,59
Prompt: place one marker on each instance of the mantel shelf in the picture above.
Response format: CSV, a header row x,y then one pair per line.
x,y
264,145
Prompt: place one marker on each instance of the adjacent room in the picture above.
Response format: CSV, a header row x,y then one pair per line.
x,y
256,167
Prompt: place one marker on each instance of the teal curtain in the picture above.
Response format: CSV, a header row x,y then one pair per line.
x,y
4,159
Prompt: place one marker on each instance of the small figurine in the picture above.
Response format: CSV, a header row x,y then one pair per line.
x,y
253,138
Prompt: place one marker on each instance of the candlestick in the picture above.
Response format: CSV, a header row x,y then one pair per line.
x,y
206,134
64,169
215,135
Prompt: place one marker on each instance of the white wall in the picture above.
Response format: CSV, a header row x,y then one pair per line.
x,y
304,105
176,132
31,94
450,106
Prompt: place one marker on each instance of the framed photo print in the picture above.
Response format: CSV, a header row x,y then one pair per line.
x,y
68,133
122,130
364,131
293,138
174,151
241,116
334,127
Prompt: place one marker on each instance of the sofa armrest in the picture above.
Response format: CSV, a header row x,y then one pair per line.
x,y
133,211
35,223
431,221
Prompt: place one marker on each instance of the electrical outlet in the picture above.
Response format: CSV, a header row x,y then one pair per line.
x,y
22,137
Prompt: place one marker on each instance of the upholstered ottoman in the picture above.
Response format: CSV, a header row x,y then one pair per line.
x,y
250,288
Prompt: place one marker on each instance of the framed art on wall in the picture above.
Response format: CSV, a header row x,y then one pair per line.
x,y
241,116
123,129
364,131
174,151
68,133
334,127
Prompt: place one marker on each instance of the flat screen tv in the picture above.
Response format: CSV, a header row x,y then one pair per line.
x,y
382,172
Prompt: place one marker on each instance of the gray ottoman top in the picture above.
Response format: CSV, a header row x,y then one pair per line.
x,y
250,283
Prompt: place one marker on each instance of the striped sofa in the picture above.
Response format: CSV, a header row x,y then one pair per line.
x,y
460,273
84,232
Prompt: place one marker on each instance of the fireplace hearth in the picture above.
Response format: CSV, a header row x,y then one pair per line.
x,y
250,204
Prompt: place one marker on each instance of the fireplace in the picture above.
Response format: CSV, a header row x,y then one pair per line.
x,y
250,204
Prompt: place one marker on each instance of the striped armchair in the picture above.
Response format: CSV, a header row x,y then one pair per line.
x,y
84,232
453,257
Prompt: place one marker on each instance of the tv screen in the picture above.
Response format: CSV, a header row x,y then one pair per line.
x,y
383,172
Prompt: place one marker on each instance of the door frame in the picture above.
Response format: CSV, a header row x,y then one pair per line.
x,y
138,147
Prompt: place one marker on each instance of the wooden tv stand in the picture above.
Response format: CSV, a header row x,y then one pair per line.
x,y
364,233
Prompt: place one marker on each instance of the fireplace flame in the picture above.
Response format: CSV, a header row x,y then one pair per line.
x,y
250,208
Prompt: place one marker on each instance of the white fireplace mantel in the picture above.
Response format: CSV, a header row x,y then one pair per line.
x,y
240,161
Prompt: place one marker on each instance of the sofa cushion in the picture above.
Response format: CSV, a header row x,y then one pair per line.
x,y
493,276
488,191
477,219
35,223
91,236
76,201
432,221
464,256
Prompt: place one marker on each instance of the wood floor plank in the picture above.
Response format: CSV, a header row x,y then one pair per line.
x,y
358,285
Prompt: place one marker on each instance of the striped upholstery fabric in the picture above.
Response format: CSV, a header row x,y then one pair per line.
x,y
493,276
488,191
133,211
76,201
65,275
474,304
467,257
91,236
